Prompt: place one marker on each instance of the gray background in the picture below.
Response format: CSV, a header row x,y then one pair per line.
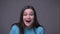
x,y
47,14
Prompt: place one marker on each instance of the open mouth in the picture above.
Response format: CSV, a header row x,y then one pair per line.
x,y
28,21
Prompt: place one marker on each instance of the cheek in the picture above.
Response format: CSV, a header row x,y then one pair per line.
x,y
32,17
24,17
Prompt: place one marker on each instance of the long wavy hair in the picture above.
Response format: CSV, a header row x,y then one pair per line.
x,y
21,24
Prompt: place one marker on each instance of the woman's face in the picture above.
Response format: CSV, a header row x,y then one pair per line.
x,y
28,17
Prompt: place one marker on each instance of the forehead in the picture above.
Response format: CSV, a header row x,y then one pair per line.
x,y
28,11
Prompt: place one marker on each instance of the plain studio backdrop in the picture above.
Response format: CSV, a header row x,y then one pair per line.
x,y
47,14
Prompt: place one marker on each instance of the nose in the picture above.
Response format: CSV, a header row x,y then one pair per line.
x,y
28,16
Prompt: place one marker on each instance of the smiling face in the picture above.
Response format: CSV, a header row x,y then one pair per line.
x,y
28,17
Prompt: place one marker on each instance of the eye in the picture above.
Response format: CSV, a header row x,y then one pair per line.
x,y
31,14
24,14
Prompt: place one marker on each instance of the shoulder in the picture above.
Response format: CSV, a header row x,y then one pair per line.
x,y
14,29
40,29
14,26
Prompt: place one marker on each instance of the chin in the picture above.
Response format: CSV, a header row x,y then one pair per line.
x,y
28,25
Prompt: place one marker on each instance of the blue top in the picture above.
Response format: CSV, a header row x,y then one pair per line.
x,y
15,30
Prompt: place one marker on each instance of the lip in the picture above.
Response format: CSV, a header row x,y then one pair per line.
x,y
28,21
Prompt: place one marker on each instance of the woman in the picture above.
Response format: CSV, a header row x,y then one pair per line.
x,y
28,23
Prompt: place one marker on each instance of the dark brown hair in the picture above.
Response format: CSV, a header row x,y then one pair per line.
x,y
21,23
